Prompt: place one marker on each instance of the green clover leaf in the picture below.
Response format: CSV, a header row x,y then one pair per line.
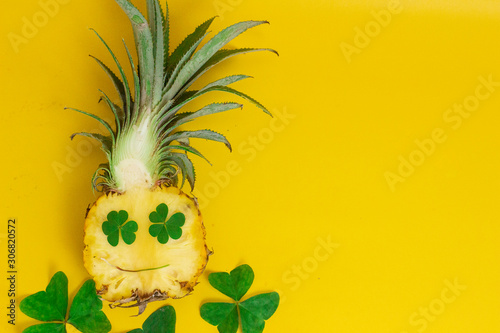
x,y
85,312
160,321
164,229
52,305
253,311
46,328
234,284
116,225
222,315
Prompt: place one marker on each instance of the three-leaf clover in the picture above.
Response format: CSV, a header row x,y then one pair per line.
x,y
51,306
160,321
253,311
116,225
163,228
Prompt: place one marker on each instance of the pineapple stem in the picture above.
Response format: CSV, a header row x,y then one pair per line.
x,y
134,270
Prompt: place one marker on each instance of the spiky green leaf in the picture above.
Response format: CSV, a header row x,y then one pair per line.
x,y
120,88
105,177
144,46
187,168
189,116
188,149
207,51
242,95
126,105
217,58
200,134
166,37
155,17
105,141
188,96
116,112
227,80
152,21
105,123
186,45
137,87
179,65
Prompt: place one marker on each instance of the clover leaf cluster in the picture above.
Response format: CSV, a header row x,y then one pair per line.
x,y
51,306
252,312
86,315
163,229
115,225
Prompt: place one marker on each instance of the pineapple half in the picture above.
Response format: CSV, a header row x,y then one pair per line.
x,y
144,238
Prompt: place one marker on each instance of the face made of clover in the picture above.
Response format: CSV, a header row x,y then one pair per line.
x,y
119,227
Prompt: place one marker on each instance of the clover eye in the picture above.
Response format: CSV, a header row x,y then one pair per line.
x,y
162,228
117,225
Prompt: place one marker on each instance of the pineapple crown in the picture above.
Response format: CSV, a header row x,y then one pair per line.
x,y
146,146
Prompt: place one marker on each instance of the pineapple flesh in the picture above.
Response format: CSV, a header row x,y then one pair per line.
x,y
144,237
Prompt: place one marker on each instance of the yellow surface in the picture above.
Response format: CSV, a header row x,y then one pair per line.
x,y
411,248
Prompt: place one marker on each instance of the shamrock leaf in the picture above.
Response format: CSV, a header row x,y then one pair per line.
x,y
253,311
222,315
256,309
164,229
116,224
234,284
52,305
85,313
46,328
160,215
160,321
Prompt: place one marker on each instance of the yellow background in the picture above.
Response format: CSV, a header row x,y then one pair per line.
x,y
318,176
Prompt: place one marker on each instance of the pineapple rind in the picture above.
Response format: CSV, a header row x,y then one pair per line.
x,y
186,256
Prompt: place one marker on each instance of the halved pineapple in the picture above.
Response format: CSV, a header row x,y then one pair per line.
x,y
147,270
144,238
